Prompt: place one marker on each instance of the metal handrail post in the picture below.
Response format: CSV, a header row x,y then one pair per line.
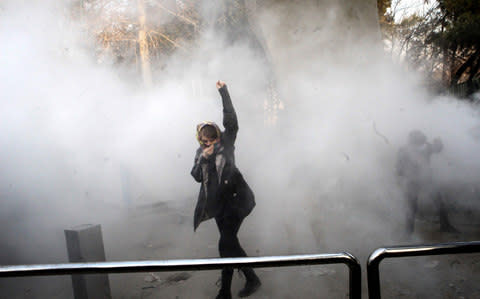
x,y
355,276
373,263
192,265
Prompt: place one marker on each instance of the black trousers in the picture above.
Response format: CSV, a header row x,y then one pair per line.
x,y
228,224
412,193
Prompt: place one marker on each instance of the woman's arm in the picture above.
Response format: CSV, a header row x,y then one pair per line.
x,y
230,121
197,168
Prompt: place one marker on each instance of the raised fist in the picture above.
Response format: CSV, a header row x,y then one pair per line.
x,y
220,84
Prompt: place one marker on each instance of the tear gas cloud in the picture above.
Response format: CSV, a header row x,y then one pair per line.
x,y
73,131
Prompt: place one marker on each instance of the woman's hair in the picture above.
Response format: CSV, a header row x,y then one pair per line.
x,y
209,131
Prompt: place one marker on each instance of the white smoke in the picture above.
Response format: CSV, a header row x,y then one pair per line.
x,y
81,144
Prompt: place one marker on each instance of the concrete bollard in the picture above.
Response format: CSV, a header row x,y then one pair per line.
x,y
85,244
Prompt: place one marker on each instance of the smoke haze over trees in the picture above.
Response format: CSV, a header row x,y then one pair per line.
x,y
441,41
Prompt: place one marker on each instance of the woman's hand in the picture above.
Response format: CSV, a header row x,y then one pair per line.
x,y
208,151
220,84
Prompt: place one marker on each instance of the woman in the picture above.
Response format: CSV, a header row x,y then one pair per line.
x,y
224,194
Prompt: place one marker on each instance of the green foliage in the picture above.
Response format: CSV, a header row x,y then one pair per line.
x,y
453,9
444,42
465,31
462,22
460,39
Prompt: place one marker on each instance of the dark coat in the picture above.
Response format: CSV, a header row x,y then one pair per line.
x,y
231,194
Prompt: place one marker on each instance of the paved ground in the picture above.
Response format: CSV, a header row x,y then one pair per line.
x,y
165,232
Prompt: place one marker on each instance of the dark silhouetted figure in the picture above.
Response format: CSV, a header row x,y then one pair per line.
x,y
415,176
224,193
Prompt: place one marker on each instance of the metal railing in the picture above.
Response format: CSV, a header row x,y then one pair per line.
x,y
193,265
373,273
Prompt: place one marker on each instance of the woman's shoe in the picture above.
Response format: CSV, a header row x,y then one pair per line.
x,y
251,286
224,295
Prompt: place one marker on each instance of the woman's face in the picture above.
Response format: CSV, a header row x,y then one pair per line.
x,y
206,142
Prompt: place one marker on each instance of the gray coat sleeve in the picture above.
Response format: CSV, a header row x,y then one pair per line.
x,y
197,168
